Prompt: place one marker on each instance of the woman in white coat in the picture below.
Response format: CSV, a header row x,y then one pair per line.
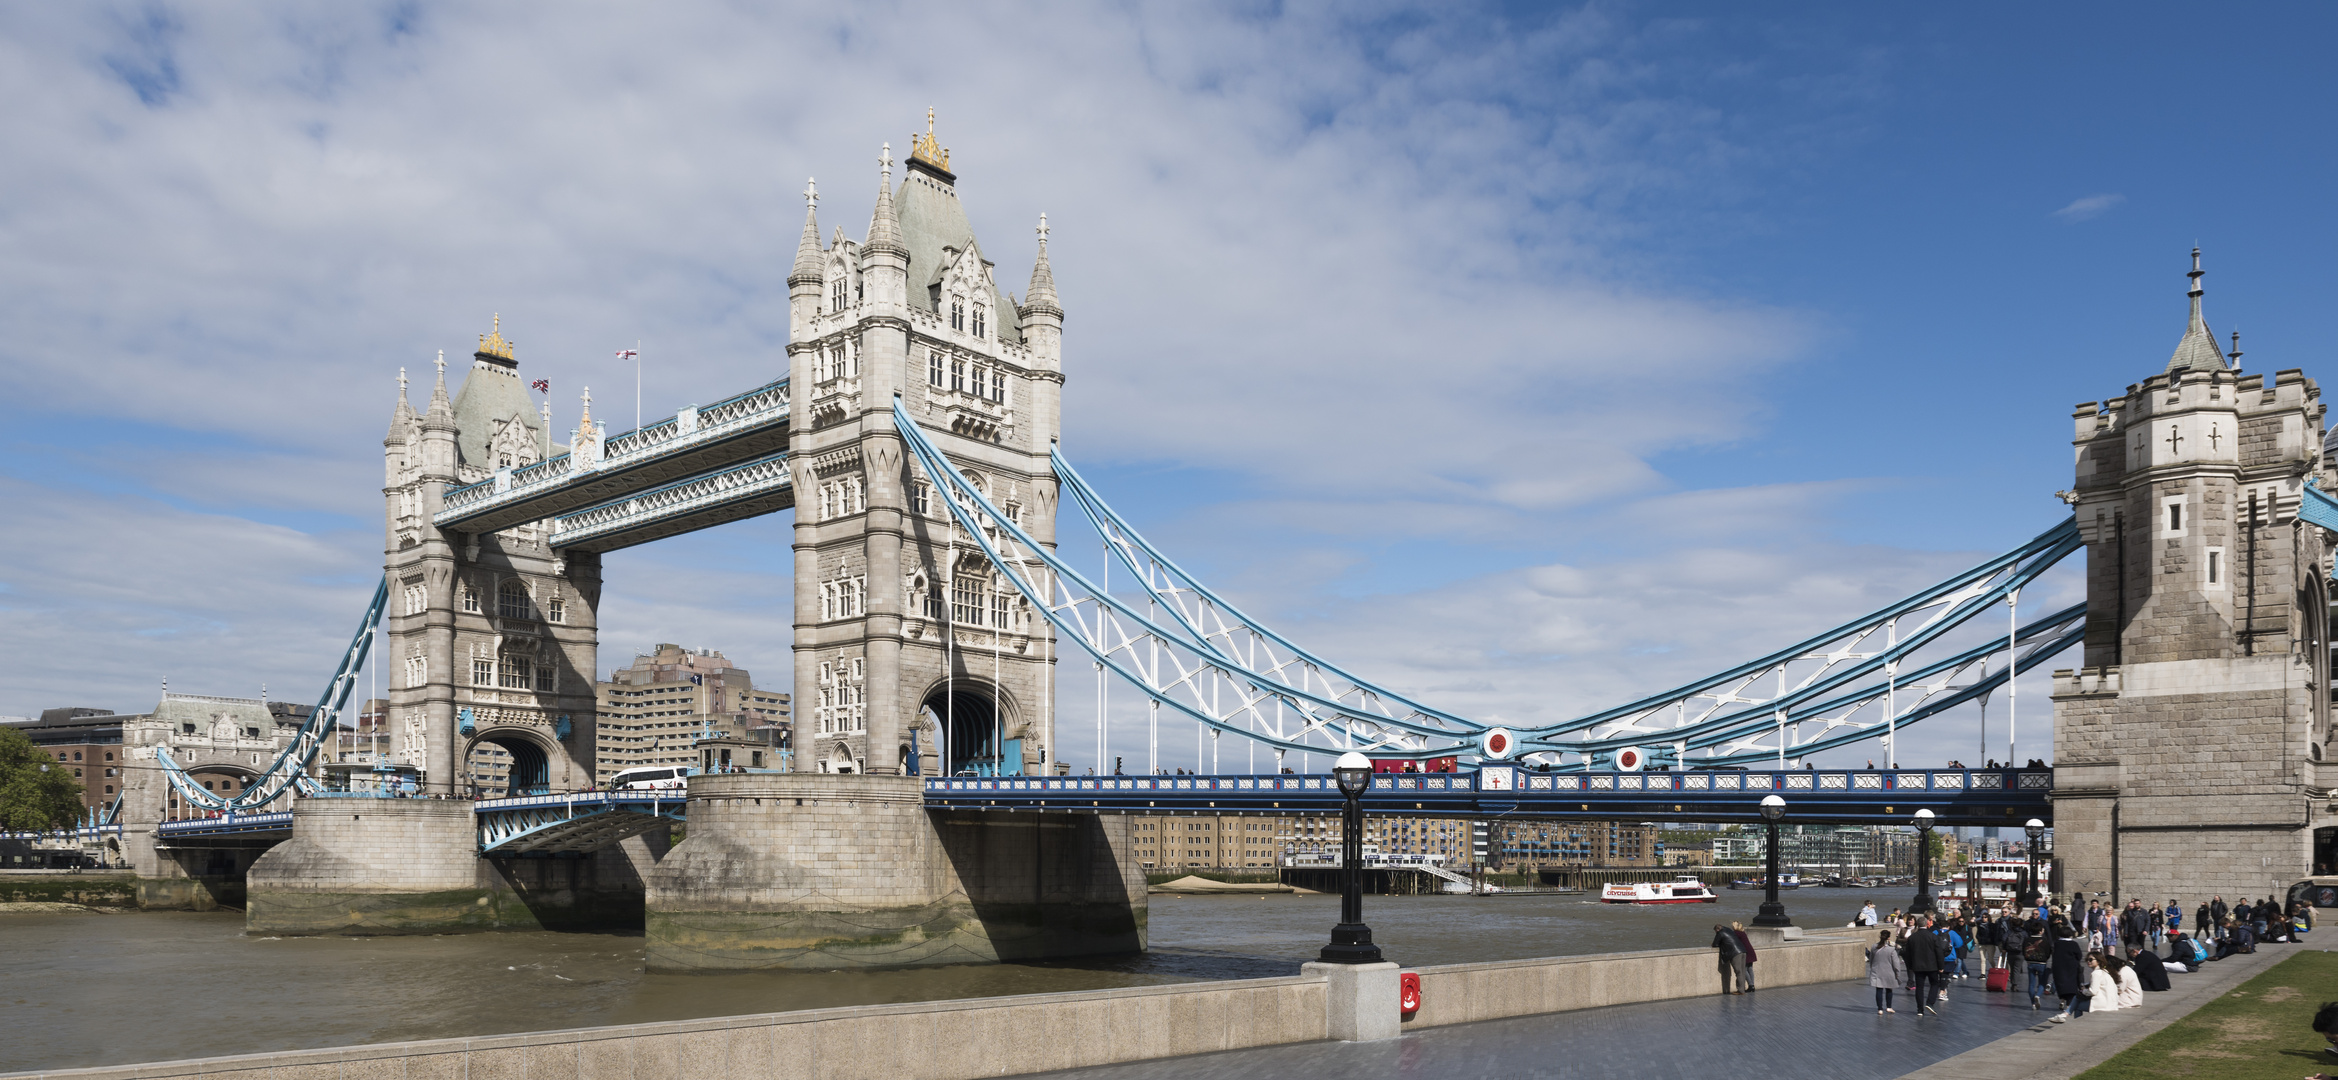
x,y
2102,987
2130,985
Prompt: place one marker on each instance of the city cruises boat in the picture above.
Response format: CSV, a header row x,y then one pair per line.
x,y
1687,890
1989,879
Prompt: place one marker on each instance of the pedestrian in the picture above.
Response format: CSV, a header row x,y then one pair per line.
x,y
2038,957
1925,951
2069,970
1991,934
2012,950
1726,949
2218,910
1886,970
2175,915
2159,925
2204,922
1746,957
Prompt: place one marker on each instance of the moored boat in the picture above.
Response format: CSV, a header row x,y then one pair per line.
x,y
1687,890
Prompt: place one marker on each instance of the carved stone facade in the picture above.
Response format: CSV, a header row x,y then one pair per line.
x,y
901,625
491,637
2187,749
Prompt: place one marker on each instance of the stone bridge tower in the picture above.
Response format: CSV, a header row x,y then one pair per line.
x,y
2187,747
491,637
905,634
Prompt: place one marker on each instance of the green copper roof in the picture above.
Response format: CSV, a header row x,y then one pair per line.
x,y
931,220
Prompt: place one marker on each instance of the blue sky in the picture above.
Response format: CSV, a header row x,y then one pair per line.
x,y
1527,358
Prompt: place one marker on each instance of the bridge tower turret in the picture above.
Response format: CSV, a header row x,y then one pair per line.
x,y
2185,749
904,633
491,638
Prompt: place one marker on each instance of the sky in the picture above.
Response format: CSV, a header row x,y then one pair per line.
x,y
1526,358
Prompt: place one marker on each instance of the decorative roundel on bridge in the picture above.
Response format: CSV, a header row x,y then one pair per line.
x,y
1498,744
1630,758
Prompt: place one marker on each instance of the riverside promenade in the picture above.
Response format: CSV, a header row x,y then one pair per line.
x,y
1825,1031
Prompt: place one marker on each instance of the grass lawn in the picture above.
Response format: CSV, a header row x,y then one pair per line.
x,y
2261,1029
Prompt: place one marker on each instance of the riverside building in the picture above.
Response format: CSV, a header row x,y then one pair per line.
x,y
655,711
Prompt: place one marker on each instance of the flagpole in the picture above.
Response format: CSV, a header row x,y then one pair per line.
x,y
637,384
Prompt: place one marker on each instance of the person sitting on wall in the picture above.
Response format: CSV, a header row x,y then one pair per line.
x,y
2238,939
2150,971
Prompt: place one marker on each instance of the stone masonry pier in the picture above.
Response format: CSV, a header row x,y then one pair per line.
x,y
809,870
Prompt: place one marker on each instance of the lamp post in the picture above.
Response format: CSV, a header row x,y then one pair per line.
x,y
2036,831
1923,901
1351,940
1773,911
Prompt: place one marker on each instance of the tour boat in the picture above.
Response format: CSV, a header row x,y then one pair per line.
x,y
1989,879
1687,890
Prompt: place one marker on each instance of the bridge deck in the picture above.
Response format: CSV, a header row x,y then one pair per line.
x,y
687,444
761,486
1955,796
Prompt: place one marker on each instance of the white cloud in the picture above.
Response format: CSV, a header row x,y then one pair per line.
x,y
2090,207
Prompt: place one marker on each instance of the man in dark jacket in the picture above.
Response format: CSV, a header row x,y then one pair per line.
x,y
2012,945
1746,956
1926,951
2149,970
1725,945
2217,910
2134,925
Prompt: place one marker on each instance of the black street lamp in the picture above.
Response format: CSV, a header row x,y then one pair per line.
x,y
1351,940
1773,911
1923,901
2036,831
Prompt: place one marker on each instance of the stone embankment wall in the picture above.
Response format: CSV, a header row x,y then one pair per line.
x,y
103,890
827,871
952,1040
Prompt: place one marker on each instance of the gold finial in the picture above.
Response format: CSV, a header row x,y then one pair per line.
x,y
493,344
926,149
588,408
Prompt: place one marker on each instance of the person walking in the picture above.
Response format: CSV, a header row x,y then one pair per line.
x,y
2013,951
1925,951
2038,957
2175,916
2218,911
1746,956
1726,948
1886,970
2159,924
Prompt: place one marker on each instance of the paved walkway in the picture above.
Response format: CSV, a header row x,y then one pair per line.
x,y
2047,1051
1824,1032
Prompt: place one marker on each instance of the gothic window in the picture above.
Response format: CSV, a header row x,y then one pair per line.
x,y
820,372
933,370
836,294
827,508
968,602
417,669
482,668
998,386
556,609
843,598
933,600
1014,512
921,497
546,678
417,601
511,600
514,672
957,313
957,376
998,608
848,358
470,599
979,320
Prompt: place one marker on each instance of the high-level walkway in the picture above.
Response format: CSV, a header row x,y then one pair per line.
x,y
1824,1032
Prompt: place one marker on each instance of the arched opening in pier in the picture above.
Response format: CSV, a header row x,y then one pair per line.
x,y
974,738
506,763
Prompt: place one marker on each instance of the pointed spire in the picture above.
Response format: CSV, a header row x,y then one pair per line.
x,y
807,271
1041,296
2197,350
442,409
588,409
885,221
402,417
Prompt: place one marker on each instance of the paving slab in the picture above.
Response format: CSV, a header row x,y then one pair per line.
x,y
1828,1031
2049,1051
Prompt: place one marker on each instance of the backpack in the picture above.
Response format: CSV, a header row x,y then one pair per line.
x,y
2040,950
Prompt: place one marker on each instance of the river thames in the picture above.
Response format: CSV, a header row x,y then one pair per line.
x,y
111,989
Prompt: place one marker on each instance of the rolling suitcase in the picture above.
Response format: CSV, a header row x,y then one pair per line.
x,y
2000,980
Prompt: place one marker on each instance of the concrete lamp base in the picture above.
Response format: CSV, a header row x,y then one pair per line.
x,y
1360,1001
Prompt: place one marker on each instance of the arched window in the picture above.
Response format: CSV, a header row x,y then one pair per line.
x,y
511,600
979,321
957,313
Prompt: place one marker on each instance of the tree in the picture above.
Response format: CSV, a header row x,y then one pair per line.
x,y
35,791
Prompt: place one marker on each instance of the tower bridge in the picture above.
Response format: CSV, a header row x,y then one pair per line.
x,y
931,817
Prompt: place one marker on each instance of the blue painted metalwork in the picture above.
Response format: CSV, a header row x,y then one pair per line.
x,y
572,823
278,824
1751,712
464,724
289,770
1955,796
2317,507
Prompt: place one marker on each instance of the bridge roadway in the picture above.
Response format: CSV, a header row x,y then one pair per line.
x,y
698,468
585,821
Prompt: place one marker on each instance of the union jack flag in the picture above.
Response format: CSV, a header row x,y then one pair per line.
x,y
543,386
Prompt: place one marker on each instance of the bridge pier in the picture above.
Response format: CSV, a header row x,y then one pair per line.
x,y
411,866
825,871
